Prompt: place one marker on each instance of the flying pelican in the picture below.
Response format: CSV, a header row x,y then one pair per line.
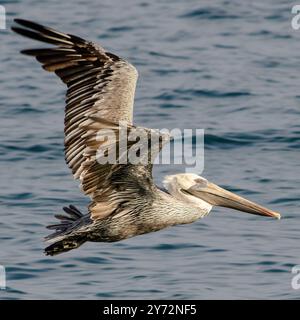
x,y
125,202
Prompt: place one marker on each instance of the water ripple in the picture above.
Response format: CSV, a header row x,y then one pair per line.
x,y
210,14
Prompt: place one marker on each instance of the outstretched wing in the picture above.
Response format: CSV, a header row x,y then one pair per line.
x,y
100,94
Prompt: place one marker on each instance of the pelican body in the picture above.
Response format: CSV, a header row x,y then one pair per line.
x,y
125,202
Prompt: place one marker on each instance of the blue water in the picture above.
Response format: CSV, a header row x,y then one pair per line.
x,y
230,67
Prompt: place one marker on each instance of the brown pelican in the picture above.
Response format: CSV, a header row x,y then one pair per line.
x,y
125,202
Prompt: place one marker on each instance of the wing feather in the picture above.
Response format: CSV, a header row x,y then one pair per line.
x,y
100,94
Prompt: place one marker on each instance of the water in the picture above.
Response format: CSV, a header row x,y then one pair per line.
x,y
231,68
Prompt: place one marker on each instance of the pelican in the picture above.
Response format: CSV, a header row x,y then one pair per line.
x,y
125,202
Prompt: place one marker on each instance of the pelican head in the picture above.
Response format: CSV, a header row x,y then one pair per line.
x,y
198,191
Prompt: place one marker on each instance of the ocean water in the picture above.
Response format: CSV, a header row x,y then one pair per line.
x,y
229,67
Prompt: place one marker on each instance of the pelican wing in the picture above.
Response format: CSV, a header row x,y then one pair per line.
x,y
115,182
100,94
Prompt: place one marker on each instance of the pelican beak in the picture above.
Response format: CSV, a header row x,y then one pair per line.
x,y
218,196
